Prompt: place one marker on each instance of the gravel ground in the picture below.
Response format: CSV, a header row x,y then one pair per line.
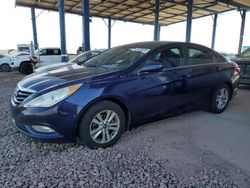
x,y
132,162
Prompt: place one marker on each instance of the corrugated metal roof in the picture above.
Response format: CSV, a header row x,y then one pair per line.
x,y
142,11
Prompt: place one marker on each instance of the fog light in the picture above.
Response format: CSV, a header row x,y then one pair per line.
x,y
43,129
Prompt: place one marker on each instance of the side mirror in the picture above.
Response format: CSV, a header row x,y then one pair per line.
x,y
151,67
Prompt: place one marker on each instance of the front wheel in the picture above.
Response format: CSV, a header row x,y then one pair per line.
x,y
220,99
5,68
102,125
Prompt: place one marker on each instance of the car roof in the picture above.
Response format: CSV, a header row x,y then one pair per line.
x,y
158,44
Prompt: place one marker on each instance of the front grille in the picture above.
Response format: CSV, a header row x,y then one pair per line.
x,y
20,94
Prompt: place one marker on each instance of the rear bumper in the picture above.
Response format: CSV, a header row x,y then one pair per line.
x,y
235,85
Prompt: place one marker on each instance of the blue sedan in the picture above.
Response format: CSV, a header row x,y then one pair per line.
x,y
120,88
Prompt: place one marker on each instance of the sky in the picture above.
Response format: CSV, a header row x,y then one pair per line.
x,y
16,28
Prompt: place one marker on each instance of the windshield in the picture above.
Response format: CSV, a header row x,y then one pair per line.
x,y
117,58
246,53
83,57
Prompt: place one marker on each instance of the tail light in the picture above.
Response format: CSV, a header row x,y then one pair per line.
x,y
237,70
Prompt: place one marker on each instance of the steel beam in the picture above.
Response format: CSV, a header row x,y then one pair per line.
x,y
64,56
214,30
189,20
33,18
109,32
85,23
242,28
156,22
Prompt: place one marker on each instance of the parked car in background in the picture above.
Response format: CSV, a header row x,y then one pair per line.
x,y
119,88
45,56
5,61
79,59
243,60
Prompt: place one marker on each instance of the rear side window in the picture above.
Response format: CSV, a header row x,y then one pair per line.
x,y
56,52
170,57
199,56
219,58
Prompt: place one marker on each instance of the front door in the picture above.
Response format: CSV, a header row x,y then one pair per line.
x,y
162,92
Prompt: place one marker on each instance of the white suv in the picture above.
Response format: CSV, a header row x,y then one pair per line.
x,y
45,56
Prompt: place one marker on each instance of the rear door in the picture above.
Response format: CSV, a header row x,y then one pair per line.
x,y
204,74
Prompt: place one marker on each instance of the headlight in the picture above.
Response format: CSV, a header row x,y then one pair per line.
x,y
53,97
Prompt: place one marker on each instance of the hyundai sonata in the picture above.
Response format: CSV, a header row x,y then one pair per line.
x,y
119,88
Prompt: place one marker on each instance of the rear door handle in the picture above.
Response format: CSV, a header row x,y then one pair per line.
x,y
218,68
185,77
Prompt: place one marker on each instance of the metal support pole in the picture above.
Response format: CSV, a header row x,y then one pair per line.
x,y
85,23
189,20
109,32
242,28
33,18
64,56
159,32
156,23
214,30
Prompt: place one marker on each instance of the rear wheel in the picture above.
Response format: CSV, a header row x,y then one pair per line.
x,y
5,68
26,68
220,99
102,125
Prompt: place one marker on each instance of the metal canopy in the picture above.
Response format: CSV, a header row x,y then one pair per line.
x,y
142,11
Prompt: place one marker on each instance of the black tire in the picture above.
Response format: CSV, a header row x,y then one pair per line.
x,y
26,68
215,106
86,124
5,68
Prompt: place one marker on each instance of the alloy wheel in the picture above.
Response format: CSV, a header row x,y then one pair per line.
x,y
104,126
222,98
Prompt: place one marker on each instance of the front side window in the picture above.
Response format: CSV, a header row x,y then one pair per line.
x,y
170,58
118,58
43,52
198,56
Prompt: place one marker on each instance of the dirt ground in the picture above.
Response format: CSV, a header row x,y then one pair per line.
x,y
191,146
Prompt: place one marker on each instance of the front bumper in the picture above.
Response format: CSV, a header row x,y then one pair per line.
x,y
61,119
46,137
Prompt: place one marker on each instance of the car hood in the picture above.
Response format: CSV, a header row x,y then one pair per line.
x,y
50,67
71,73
